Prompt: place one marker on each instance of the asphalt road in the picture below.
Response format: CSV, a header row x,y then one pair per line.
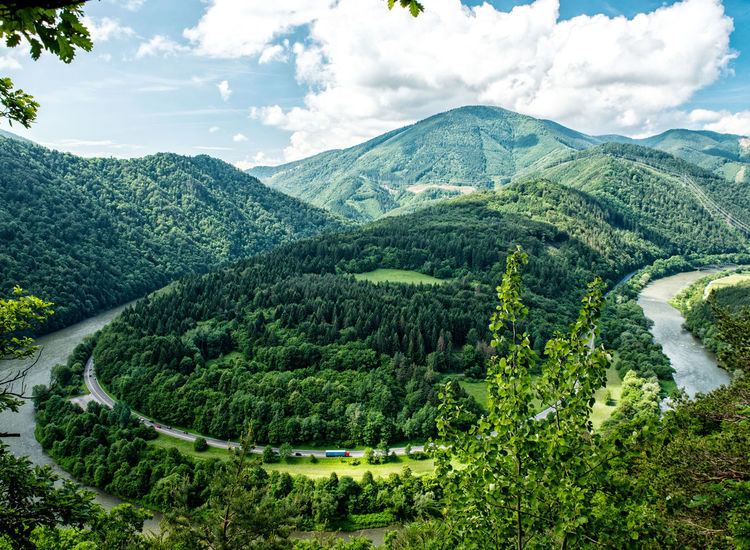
x,y
99,395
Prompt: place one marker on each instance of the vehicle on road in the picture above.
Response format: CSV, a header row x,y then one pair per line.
x,y
337,452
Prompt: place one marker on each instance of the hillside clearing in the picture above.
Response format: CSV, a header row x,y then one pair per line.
x,y
381,275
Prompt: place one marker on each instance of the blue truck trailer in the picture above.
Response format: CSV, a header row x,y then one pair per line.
x,y
337,452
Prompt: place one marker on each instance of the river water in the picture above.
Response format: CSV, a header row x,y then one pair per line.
x,y
695,367
55,349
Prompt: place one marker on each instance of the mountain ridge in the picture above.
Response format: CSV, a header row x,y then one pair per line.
x,y
89,234
476,147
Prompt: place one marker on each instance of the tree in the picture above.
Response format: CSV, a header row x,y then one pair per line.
x,y
269,455
29,498
530,476
200,444
16,316
54,26
285,451
734,331
240,513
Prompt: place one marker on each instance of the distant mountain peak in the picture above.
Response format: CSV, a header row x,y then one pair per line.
x,y
473,147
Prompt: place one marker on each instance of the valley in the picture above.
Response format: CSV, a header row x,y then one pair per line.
x,y
300,330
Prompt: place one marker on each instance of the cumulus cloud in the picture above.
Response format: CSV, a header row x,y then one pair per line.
x,y
105,28
224,90
277,52
237,28
260,159
723,121
160,45
239,137
368,70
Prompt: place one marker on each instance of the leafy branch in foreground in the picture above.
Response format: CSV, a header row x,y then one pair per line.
x,y
17,315
52,26
415,8
528,478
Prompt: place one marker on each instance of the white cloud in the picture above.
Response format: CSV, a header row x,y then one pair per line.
x,y
236,28
239,137
224,90
105,28
160,45
213,129
260,159
9,58
8,62
134,5
277,52
369,70
723,121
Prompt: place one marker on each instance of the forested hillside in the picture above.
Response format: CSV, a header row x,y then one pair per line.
x,y
467,149
294,343
89,234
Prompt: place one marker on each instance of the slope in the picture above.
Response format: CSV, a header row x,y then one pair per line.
x,y
292,342
468,149
661,189
471,148
89,234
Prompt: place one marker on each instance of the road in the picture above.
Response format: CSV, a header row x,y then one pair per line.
x,y
100,396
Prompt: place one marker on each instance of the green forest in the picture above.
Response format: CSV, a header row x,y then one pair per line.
x,y
91,234
466,287
676,482
292,342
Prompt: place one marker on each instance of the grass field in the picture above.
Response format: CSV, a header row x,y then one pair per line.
x,y
186,447
478,390
343,467
303,465
602,411
726,281
398,276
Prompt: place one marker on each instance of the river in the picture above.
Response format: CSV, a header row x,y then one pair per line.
x,y
55,349
695,367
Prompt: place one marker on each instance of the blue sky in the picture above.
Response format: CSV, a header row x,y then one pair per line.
x,y
253,83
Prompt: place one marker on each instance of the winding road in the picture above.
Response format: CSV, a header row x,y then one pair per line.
x,y
100,396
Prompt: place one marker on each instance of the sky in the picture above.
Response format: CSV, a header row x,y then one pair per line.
x,y
261,83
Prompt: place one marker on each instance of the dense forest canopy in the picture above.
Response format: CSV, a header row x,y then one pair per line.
x,y
88,234
292,342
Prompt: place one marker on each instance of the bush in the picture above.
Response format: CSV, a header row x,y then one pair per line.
x,y
200,445
269,455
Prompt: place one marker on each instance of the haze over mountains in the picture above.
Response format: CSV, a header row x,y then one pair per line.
x,y
464,150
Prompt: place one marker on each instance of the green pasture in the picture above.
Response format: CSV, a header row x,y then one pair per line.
x,y
398,276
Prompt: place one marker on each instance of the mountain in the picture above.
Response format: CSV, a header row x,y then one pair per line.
x,y
448,154
464,150
295,342
724,154
10,135
90,234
